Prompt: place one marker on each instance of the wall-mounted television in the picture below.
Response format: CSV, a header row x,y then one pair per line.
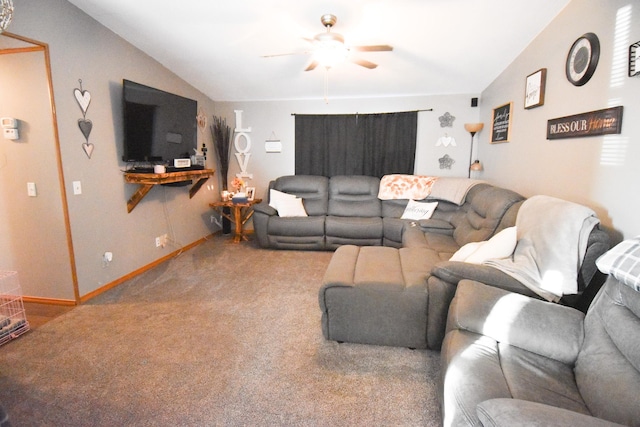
x,y
158,126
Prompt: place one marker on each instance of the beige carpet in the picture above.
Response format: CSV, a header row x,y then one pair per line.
x,y
223,335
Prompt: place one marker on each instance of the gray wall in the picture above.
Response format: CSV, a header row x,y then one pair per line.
x,y
598,171
83,49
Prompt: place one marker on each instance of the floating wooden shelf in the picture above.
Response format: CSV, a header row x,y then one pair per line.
x,y
148,180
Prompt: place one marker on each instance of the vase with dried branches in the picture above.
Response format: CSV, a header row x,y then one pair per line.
x,y
221,134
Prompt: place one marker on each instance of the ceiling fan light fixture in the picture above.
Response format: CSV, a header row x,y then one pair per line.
x,y
330,53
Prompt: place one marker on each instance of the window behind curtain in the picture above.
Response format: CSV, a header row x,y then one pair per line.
x,y
362,144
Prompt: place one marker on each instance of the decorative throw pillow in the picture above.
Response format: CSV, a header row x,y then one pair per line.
x,y
623,262
499,246
466,250
275,197
419,210
291,207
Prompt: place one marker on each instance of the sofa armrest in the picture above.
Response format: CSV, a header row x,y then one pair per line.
x,y
454,271
541,327
514,412
264,208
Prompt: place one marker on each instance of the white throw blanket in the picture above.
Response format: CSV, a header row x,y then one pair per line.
x,y
552,242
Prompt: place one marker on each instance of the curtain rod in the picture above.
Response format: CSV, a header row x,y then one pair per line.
x,y
356,113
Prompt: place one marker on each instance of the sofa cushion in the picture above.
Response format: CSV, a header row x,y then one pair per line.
x,y
354,227
393,208
364,299
478,219
296,226
314,190
354,196
515,412
360,231
612,350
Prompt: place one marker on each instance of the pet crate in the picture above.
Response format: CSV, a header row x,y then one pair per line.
x,y
13,321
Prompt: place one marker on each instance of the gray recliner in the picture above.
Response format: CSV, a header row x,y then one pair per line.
x,y
510,360
305,233
355,213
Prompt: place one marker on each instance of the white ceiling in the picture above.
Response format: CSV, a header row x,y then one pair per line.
x,y
440,46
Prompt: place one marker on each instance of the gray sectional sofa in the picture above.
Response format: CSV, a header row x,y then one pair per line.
x,y
390,281
508,356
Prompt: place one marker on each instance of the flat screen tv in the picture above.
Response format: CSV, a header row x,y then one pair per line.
x,y
158,126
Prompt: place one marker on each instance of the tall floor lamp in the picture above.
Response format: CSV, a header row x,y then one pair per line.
x,y
473,128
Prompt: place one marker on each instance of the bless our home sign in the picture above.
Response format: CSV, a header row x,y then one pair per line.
x,y
600,122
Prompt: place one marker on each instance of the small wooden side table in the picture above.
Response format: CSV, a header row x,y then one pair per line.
x,y
240,213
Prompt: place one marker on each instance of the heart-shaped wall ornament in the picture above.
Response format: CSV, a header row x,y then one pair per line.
x,y
85,127
446,141
84,99
88,148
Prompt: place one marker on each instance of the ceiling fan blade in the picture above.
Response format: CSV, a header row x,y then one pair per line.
x,y
373,48
364,63
312,66
285,54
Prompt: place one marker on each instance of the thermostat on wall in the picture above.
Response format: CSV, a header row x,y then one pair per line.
x,y
10,133
9,128
181,163
9,123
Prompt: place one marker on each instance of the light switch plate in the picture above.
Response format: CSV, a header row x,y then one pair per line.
x,y
77,188
31,189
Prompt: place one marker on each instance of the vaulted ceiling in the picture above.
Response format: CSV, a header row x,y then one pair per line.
x,y
439,46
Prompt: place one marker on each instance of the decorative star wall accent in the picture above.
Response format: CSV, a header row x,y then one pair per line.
x,y
446,162
446,120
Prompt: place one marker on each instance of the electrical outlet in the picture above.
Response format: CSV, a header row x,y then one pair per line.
x,y
77,188
158,241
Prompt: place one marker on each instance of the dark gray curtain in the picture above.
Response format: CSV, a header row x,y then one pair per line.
x,y
362,144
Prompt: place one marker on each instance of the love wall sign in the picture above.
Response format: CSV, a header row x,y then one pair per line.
x,y
83,98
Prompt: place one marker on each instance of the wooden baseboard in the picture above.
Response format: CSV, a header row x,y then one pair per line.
x,y
49,301
141,270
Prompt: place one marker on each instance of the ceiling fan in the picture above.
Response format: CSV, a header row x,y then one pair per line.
x,y
329,48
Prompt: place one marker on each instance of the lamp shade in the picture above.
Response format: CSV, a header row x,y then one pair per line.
x,y
473,127
476,166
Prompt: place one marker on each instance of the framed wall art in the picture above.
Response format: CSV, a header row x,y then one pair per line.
x,y
534,89
634,59
501,123
251,193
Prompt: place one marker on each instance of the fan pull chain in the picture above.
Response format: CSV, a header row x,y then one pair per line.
x,y
326,85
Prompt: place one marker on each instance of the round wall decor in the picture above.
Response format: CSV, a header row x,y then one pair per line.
x,y
582,59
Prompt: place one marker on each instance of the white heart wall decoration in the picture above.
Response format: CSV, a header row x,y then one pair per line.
x,y
88,148
446,141
84,99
